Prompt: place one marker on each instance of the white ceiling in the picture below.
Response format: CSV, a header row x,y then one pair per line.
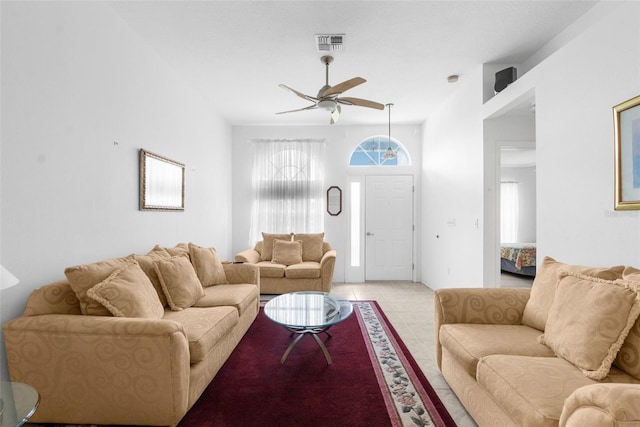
x,y
238,52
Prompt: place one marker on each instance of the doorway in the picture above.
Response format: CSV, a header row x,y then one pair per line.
x,y
389,227
517,213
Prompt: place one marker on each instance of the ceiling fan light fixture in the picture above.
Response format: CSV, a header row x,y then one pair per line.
x,y
327,104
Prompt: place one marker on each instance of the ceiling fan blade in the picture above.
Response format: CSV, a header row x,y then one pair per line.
x,y
310,107
335,115
300,94
360,103
342,87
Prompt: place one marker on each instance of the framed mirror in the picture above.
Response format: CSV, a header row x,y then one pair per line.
x,y
334,200
161,183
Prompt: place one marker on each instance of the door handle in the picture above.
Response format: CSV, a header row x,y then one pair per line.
x,y
370,234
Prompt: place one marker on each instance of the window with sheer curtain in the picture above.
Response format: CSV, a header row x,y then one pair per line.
x,y
288,182
509,214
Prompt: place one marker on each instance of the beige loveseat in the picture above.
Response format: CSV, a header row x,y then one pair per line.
x,y
132,340
566,352
292,262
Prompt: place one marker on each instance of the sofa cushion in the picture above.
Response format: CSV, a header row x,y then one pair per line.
x,y
589,320
532,390
287,252
267,244
269,269
128,292
239,296
311,245
207,265
84,277
544,288
468,343
204,326
304,270
148,265
179,282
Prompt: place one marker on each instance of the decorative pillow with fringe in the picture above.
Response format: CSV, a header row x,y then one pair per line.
x,y
589,320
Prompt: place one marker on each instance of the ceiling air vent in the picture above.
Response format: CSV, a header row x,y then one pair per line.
x,y
330,42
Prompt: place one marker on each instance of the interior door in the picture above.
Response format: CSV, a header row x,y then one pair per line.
x,y
389,227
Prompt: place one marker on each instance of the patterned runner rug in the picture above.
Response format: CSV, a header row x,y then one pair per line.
x,y
374,380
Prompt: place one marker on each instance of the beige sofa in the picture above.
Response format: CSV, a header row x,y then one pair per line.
x,y
565,352
132,340
292,262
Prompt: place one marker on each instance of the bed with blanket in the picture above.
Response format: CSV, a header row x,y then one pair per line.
x,y
518,258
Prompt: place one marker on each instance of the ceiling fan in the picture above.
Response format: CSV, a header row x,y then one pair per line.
x,y
328,99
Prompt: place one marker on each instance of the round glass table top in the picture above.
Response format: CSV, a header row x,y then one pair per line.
x,y
18,402
308,309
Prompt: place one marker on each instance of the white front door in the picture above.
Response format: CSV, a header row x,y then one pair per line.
x,y
389,227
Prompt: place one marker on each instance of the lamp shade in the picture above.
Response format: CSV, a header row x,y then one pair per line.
x,y
7,279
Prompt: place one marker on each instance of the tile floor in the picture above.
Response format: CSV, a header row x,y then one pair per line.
x,y
409,307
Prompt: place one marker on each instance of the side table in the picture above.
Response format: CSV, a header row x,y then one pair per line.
x,y
18,402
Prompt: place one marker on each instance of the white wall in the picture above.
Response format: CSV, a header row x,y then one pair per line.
x,y
340,142
452,182
576,88
76,79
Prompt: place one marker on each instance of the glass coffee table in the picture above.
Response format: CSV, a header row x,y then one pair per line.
x,y
18,402
308,313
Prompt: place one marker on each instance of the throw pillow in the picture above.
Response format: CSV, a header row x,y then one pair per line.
x,y
148,265
267,244
84,277
160,251
128,292
179,282
589,320
179,249
629,353
311,246
287,253
543,289
208,267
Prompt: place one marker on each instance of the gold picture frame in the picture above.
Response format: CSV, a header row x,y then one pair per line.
x,y
161,183
626,120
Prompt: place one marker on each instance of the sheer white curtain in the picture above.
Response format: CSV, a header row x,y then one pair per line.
x,y
288,183
509,214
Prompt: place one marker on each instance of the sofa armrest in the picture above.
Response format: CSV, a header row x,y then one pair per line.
x,y
327,265
242,273
101,369
250,256
477,305
328,257
601,405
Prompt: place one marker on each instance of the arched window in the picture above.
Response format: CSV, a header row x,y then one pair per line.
x,y
379,151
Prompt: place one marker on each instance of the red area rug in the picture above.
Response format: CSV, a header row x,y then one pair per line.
x,y
374,380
